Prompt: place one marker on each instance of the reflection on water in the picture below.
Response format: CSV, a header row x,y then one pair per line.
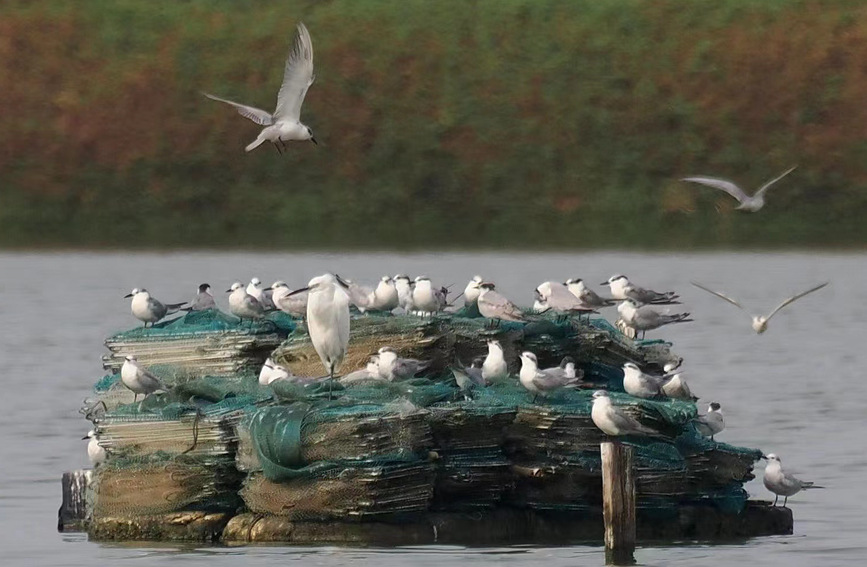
x,y
797,390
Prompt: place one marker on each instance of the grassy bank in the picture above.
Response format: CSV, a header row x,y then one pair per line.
x,y
495,122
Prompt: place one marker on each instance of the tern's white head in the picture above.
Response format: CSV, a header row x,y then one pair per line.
x,y
772,458
235,286
255,281
130,358
528,358
600,394
760,324
631,367
544,291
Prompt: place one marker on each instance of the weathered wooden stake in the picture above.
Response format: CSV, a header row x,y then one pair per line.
x,y
618,503
73,509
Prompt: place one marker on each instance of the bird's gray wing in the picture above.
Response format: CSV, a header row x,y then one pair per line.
x,y
157,308
253,304
795,298
503,306
628,423
718,294
297,76
257,115
722,184
149,380
765,187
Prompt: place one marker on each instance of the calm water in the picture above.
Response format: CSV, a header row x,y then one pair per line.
x,y
799,390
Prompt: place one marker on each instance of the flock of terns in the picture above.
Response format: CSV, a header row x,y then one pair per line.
x,y
326,301
325,304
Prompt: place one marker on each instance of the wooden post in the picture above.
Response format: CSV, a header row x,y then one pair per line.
x,y
73,510
618,503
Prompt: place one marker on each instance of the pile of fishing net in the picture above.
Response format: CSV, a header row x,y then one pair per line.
x,y
202,343
310,450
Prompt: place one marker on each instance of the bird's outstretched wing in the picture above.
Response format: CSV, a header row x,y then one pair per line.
x,y
718,294
257,115
796,297
297,76
722,184
764,187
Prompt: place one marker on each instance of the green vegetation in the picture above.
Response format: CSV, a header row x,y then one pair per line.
x,y
441,123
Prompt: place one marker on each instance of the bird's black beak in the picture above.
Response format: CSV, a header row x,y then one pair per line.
x,y
765,457
127,295
229,290
297,291
268,289
85,437
312,139
604,283
341,281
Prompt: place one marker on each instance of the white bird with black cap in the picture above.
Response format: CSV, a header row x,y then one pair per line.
x,y
782,483
284,124
760,322
149,309
496,306
203,301
621,288
745,202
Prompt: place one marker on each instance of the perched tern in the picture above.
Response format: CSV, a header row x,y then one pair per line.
x,y
403,285
675,387
471,296
261,295
95,452
557,296
385,296
587,296
285,123
470,376
645,318
139,380
203,301
243,305
613,420
328,320
745,202
637,383
542,381
782,483
392,367
494,367
760,322
149,309
622,288
293,305
493,305
426,298
712,422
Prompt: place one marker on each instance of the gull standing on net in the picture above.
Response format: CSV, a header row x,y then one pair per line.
x,y
328,321
622,288
557,296
760,322
613,420
293,305
285,124
403,285
542,381
243,305
494,367
95,452
587,296
495,306
148,309
203,301
782,483
644,318
261,294
712,422
745,202
637,383
139,380
471,296
392,367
